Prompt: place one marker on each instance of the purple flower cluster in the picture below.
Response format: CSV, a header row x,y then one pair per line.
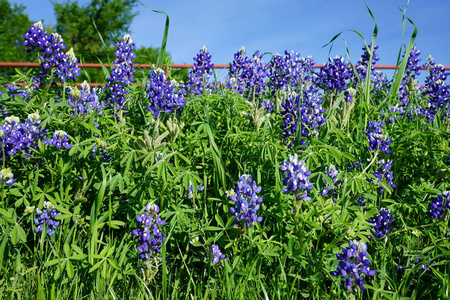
x,y
51,55
149,232
290,71
377,139
163,95
6,177
122,72
59,139
333,76
46,217
436,91
247,76
304,110
247,201
440,205
382,223
332,173
217,255
199,75
17,137
413,67
353,264
383,174
84,100
297,177
363,63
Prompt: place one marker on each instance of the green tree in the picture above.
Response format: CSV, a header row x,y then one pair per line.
x,y
13,23
84,28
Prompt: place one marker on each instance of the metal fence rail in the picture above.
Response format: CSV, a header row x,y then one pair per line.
x,y
173,66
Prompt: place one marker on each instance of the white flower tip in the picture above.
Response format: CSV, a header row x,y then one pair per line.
x,y
127,38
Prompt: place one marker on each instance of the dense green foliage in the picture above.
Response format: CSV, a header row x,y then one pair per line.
x,y
219,136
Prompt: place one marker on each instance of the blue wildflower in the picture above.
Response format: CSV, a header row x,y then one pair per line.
x,y
47,217
296,177
150,236
382,223
217,255
353,264
247,201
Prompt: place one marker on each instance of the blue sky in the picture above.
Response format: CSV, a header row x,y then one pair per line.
x,y
277,25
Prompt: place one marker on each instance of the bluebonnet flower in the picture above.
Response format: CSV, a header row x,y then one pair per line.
x,y
302,110
199,75
290,71
6,177
122,72
47,217
164,95
440,205
150,236
247,201
383,174
59,140
217,255
297,177
363,63
247,76
100,149
382,223
191,190
353,264
51,53
377,139
17,137
84,100
333,76
332,173
436,91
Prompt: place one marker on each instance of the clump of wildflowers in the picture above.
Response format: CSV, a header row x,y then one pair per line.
x,y
247,201
332,173
353,264
217,255
296,178
6,177
122,72
164,95
150,236
382,223
51,54
383,173
47,217
247,76
84,100
333,76
290,71
59,140
440,205
199,75
302,110
377,139
17,137
437,91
